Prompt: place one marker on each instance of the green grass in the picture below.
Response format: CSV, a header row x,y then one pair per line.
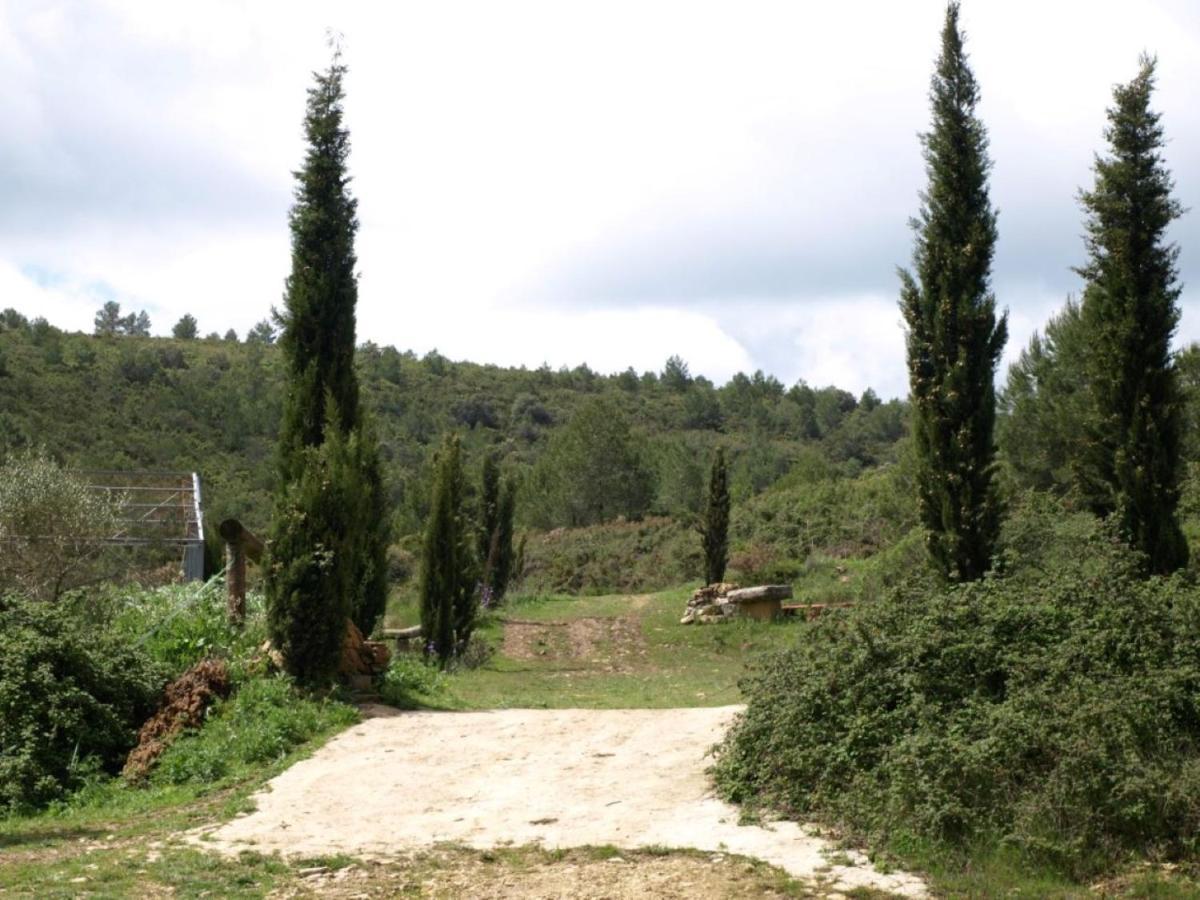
x,y
998,871
630,653
124,841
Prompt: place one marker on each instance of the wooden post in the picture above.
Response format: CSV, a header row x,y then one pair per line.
x,y
235,583
240,545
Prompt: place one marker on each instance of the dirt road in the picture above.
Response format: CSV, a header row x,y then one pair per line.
x,y
557,778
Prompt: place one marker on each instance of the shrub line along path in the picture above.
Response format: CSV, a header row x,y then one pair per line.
x,y
630,778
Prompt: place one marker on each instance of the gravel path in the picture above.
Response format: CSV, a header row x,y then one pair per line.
x,y
558,778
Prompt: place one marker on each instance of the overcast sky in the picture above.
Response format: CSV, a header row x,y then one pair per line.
x,y
567,182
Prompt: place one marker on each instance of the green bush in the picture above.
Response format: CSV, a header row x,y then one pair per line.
x,y
652,554
179,625
408,676
1055,708
71,700
50,521
264,721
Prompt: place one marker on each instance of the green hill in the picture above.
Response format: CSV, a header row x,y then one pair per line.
x,y
213,406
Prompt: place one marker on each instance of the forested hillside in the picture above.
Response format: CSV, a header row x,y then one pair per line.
x,y
128,401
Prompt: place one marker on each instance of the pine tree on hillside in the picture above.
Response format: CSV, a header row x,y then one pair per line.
x,y
1130,308
263,332
322,402
1046,409
138,325
109,321
714,527
954,338
186,328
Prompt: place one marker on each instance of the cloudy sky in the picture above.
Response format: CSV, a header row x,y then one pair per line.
x,y
602,182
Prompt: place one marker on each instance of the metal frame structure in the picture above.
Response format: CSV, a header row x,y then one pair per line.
x,y
157,509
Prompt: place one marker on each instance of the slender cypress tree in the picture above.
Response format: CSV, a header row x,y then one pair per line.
x,y
322,431
308,589
370,534
502,570
714,529
1130,308
322,290
954,338
489,511
449,589
497,505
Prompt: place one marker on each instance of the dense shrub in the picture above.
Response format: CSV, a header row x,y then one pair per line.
x,y
1055,707
71,701
653,554
408,677
835,515
264,721
179,625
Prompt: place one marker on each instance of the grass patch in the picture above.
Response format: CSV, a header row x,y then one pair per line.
x,y
114,839
605,652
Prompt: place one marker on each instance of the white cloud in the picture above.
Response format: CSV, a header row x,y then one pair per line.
x,y
600,181
68,304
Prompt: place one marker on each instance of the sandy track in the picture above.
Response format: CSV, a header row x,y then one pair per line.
x,y
558,778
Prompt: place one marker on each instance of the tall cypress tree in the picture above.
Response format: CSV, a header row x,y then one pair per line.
x,y
954,338
1130,309
714,527
322,434
321,292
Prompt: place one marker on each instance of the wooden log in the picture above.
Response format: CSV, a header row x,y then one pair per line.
x,y
401,634
762,592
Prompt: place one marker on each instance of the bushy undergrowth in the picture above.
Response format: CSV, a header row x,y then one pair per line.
x,y
408,677
773,537
71,699
264,721
1055,707
833,516
620,556
79,677
182,624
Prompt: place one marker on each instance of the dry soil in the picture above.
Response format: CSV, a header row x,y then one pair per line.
x,y
402,782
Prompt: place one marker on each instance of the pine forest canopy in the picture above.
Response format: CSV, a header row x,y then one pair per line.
x,y
103,404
